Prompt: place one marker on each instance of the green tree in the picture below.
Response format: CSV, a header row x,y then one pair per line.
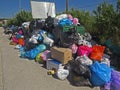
x,y
117,24
22,16
105,21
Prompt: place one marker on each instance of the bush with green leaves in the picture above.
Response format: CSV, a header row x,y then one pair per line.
x,y
22,16
0,25
108,22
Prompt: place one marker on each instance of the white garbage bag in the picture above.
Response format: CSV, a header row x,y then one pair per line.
x,y
62,73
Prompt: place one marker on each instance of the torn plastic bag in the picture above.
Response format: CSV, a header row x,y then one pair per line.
x,y
101,74
34,52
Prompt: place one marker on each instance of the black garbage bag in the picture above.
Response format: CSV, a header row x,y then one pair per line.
x,y
49,24
28,45
77,80
49,20
26,33
36,25
56,33
78,74
67,38
115,61
80,69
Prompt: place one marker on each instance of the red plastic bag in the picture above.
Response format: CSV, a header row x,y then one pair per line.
x,y
97,52
84,50
21,42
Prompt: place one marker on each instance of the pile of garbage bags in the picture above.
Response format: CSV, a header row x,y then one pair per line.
x,y
87,62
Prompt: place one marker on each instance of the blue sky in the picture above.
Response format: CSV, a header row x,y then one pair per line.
x,y
9,8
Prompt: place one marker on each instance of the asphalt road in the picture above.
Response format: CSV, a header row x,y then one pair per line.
x,y
22,74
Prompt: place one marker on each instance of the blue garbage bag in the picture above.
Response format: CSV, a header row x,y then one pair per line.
x,y
34,52
100,74
42,32
40,38
21,49
22,54
18,36
65,21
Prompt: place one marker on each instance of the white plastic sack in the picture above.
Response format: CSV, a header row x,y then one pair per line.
x,y
84,60
62,73
105,61
59,17
33,40
42,9
47,40
18,46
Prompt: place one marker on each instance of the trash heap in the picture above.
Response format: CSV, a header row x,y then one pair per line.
x,y
64,47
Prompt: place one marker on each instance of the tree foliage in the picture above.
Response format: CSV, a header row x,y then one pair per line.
x,y
108,22
22,16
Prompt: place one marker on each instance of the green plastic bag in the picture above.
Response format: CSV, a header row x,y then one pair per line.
x,y
80,29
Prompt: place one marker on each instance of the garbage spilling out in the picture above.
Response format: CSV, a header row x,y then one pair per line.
x,y
67,51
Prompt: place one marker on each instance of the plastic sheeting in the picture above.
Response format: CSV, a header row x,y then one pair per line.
x,y
42,9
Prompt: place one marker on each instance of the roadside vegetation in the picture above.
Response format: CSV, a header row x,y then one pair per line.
x,y
22,16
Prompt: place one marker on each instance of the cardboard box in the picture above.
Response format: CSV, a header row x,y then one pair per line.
x,y
61,54
52,64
